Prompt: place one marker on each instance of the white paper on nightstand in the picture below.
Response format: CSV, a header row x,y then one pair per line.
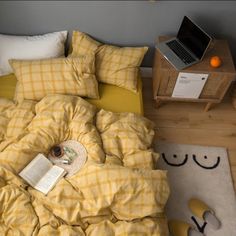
x,y
189,85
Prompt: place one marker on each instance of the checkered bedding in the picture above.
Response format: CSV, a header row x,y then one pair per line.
x,y
72,76
117,192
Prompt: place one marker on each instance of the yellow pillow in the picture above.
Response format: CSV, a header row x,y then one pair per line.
x,y
119,66
114,65
38,78
83,44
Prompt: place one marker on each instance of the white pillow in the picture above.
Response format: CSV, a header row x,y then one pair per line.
x,y
30,47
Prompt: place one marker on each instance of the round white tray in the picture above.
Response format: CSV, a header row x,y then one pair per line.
x,y
77,162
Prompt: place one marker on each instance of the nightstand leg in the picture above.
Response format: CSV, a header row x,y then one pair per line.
x,y
158,103
208,106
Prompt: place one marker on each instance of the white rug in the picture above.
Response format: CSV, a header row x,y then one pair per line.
x,y
201,172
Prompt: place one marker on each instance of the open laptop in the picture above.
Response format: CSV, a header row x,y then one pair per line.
x,y
188,47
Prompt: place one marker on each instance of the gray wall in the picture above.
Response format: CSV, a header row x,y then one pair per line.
x,y
119,22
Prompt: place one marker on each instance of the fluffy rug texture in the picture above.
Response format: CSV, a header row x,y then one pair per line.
x,y
201,172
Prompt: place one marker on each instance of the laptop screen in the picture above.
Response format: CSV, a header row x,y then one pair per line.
x,y
195,39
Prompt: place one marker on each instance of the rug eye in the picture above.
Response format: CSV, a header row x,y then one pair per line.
x,y
204,162
176,161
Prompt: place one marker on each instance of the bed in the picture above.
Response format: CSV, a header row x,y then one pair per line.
x,y
118,191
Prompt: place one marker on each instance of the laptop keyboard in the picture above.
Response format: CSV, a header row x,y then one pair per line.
x,y
180,52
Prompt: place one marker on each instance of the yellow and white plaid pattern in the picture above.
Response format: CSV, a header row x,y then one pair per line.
x,y
120,140
114,65
82,44
38,78
119,66
105,197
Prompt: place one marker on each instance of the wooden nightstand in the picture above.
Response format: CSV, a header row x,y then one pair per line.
x,y
218,82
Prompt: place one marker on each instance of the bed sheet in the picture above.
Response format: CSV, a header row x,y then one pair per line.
x,y
112,98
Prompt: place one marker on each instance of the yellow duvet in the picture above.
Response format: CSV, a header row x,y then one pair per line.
x,y
117,192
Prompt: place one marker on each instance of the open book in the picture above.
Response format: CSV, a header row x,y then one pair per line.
x,y
41,174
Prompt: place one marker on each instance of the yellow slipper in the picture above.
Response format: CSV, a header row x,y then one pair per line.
x,y
181,228
204,212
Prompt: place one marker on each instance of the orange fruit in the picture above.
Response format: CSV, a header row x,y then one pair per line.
x,y
215,61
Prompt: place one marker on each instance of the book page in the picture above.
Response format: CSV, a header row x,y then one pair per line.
x,y
48,181
36,169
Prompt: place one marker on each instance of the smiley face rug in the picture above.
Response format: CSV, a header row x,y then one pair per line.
x,y
199,172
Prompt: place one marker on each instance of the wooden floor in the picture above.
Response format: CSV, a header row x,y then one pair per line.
x,y
187,123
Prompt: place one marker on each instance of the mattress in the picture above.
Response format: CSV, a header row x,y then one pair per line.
x,y
112,98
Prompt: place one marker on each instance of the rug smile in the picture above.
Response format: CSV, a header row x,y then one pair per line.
x,y
173,164
207,167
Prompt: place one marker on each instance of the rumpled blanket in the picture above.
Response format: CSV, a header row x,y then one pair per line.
x,y
117,192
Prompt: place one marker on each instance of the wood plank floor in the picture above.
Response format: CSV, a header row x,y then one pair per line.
x,y
187,123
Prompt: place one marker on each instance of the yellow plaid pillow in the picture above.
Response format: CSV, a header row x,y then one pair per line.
x,y
38,78
119,66
83,44
114,65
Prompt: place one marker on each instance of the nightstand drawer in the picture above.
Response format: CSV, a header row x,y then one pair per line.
x,y
215,82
